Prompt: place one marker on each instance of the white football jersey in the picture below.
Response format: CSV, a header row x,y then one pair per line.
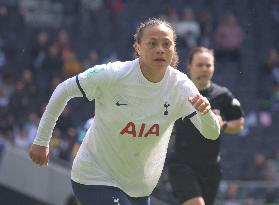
x,y
126,145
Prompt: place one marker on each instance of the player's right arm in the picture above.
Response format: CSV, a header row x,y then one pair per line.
x,y
88,84
66,90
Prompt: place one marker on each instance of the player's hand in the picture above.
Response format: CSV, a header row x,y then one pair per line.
x,y
39,154
200,103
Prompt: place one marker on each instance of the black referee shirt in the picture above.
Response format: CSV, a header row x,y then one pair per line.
x,y
190,145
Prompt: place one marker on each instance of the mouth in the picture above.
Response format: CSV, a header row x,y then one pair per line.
x,y
202,77
159,60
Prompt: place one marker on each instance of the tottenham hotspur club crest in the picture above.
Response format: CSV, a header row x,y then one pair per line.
x,y
166,105
116,200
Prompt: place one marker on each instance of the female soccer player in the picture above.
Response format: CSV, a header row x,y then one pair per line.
x,y
122,156
194,165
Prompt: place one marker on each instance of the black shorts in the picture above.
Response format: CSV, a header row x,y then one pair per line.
x,y
190,181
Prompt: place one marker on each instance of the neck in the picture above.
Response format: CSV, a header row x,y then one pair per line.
x,y
153,75
202,85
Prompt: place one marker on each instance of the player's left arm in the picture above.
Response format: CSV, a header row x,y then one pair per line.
x,y
204,119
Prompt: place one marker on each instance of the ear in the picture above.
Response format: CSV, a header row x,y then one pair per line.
x,y
137,48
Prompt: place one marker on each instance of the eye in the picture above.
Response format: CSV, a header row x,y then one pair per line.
x,y
167,44
152,44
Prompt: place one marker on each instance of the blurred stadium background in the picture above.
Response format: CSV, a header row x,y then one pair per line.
x,y
43,42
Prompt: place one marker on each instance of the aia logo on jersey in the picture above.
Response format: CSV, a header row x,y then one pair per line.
x,y
143,131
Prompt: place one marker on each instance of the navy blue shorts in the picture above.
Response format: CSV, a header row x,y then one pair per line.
x,y
105,195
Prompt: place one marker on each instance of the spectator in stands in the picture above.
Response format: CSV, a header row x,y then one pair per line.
x,y
4,99
53,60
61,144
194,165
24,133
20,102
229,38
55,81
39,50
268,90
30,86
71,64
38,56
272,197
256,170
7,84
64,42
51,67
22,138
270,171
116,6
4,18
137,102
92,59
93,6
188,29
80,137
7,124
232,194
206,26
32,124
3,56
170,15
55,148
65,120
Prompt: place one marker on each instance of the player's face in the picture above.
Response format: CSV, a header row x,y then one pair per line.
x,y
156,48
202,67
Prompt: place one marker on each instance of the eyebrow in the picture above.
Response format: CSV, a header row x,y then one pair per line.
x,y
153,38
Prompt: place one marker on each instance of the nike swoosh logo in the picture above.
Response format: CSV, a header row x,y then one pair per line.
x,y
119,104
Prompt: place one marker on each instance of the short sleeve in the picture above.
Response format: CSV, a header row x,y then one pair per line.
x,y
232,108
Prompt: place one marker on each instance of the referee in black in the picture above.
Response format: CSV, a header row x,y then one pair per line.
x,y
194,163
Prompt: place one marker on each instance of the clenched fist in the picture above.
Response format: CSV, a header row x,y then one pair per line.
x,y
200,103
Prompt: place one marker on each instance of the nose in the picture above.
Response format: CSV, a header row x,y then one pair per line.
x,y
160,49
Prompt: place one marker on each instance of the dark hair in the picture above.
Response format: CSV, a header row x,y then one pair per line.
x,y
153,22
199,50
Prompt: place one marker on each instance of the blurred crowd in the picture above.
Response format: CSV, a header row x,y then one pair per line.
x,y
41,45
